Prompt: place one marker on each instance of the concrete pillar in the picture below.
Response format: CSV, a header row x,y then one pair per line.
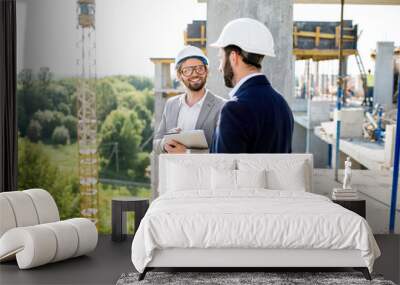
x,y
293,64
162,77
278,17
333,83
323,84
390,142
162,87
299,139
383,89
320,151
317,87
162,83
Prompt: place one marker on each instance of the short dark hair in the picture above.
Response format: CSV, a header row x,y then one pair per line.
x,y
249,58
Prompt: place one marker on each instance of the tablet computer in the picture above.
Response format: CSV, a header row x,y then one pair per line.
x,y
191,139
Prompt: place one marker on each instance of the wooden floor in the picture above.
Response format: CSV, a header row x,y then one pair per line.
x,y
111,259
103,266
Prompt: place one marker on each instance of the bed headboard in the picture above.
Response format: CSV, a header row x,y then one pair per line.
x,y
233,161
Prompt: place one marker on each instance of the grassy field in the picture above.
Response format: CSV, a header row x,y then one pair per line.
x,y
66,159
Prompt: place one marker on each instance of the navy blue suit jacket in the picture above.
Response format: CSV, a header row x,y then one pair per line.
x,y
256,120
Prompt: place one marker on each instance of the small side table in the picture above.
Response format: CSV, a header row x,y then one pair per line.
x,y
357,206
119,207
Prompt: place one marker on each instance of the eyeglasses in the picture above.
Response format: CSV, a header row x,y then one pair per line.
x,y
200,70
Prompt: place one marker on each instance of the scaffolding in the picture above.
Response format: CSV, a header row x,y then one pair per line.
x,y
195,35
87,120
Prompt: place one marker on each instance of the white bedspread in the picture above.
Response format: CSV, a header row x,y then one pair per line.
x,y
250,219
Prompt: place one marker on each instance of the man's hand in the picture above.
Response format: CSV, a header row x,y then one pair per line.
x,y
175,147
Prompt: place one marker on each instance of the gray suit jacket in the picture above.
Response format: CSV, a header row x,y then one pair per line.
x,y
207,120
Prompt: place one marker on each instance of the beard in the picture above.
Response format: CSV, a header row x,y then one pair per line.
x,y
195,86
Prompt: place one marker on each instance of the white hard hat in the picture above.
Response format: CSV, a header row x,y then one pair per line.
x,y
190,52
250,35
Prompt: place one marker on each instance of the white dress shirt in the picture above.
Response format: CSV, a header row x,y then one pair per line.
x,y
241,81
188,116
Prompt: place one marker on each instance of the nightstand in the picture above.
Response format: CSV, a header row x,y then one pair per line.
x,y
119,207
357,206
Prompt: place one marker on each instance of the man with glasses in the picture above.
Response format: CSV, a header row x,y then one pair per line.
x,y
196,109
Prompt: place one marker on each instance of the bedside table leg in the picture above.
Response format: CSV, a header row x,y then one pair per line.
x,y
117,222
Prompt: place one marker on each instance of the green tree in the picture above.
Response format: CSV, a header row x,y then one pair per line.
x,y
140,83
70,122
36,171
32,95
60,135
25,77
24,88
148,98
45,76
147,118
70,84
106,99
49,120
34,131
123,128
58,96
137,101
64,108
141,167
122,86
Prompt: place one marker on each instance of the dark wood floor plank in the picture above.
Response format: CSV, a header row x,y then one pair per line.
x,y
103,266
111,259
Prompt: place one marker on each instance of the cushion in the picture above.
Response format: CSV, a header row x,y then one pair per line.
x,y
189,171
23,208
223,179
226,179
45,205
292,179
251,178
181,177
284,174
7,220
191,174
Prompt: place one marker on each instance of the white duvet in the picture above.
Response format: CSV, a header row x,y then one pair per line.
x,y
250,219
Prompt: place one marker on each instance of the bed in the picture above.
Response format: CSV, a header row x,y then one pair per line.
x,y
246,211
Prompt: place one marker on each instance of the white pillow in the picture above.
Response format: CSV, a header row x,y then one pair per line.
x,y
226,179
284,174
223,179
291,178
191,172
251,179
182,177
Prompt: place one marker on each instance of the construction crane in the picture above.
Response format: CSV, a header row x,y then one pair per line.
x,y
87,120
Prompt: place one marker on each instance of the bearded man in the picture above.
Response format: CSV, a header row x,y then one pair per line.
x,y
196,109
256,119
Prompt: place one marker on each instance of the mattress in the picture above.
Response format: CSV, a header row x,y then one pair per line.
x,y
250,219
